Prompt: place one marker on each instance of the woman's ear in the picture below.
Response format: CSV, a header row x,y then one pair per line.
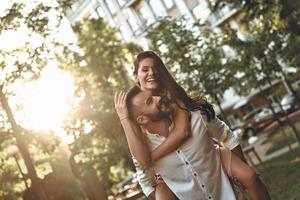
x,y
142,119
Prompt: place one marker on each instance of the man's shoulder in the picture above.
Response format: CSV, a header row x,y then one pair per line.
x,y
198,119
198,115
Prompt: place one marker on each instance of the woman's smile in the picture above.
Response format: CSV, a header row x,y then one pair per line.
x,y
146,75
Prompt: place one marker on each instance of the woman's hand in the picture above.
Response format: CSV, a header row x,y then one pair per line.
x,y
135,138
120,105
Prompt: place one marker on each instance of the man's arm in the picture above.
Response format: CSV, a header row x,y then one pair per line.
x,y
146,179
219,131
222,133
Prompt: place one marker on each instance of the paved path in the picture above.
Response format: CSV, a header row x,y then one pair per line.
x,y
262,148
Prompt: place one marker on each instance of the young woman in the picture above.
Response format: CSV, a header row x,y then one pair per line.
x,y
152,75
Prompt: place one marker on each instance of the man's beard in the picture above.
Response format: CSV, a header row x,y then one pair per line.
x,y
159,116
165,110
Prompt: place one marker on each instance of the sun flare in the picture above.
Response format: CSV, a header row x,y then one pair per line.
x,y
43,104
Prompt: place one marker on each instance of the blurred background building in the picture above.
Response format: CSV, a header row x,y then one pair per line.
x,y
133,17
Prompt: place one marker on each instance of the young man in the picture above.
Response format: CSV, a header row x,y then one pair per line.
x,y
194,171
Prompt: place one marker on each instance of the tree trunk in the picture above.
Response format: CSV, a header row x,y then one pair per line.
x,y
92,186
17,133
95,187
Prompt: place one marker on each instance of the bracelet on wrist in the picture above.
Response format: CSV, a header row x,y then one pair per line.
x,y
126,117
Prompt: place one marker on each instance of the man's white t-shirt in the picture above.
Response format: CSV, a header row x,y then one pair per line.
x,y
194,170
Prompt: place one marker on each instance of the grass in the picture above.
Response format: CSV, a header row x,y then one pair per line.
x,y
282,176
278,140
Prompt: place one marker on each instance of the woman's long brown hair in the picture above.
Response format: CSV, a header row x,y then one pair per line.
x,y
168,84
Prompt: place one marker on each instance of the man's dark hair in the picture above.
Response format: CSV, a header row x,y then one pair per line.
x,y
133,110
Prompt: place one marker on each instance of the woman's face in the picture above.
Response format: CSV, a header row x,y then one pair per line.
x,y
147,75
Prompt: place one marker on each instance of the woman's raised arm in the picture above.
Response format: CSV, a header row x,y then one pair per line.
x,y
178,134
135,138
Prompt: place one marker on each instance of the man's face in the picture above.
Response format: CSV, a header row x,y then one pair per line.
x,y
154,107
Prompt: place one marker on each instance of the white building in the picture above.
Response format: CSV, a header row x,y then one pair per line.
x,y
133,17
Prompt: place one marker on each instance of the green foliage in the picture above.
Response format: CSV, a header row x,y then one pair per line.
x,y
11,19
197,60
99,140
38,26
106,59
10,178
268,39
281,176
279,139
69,186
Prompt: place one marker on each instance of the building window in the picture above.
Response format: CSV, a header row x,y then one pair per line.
x,y
158,8
169,3
111,6
201,12
132,20
145,15
94,15
125,32
100,12
218,15
133,23
122,2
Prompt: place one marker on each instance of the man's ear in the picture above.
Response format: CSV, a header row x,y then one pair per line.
x,y
142,119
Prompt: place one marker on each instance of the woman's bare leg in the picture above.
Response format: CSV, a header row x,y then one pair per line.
x,y
163,192
245,175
